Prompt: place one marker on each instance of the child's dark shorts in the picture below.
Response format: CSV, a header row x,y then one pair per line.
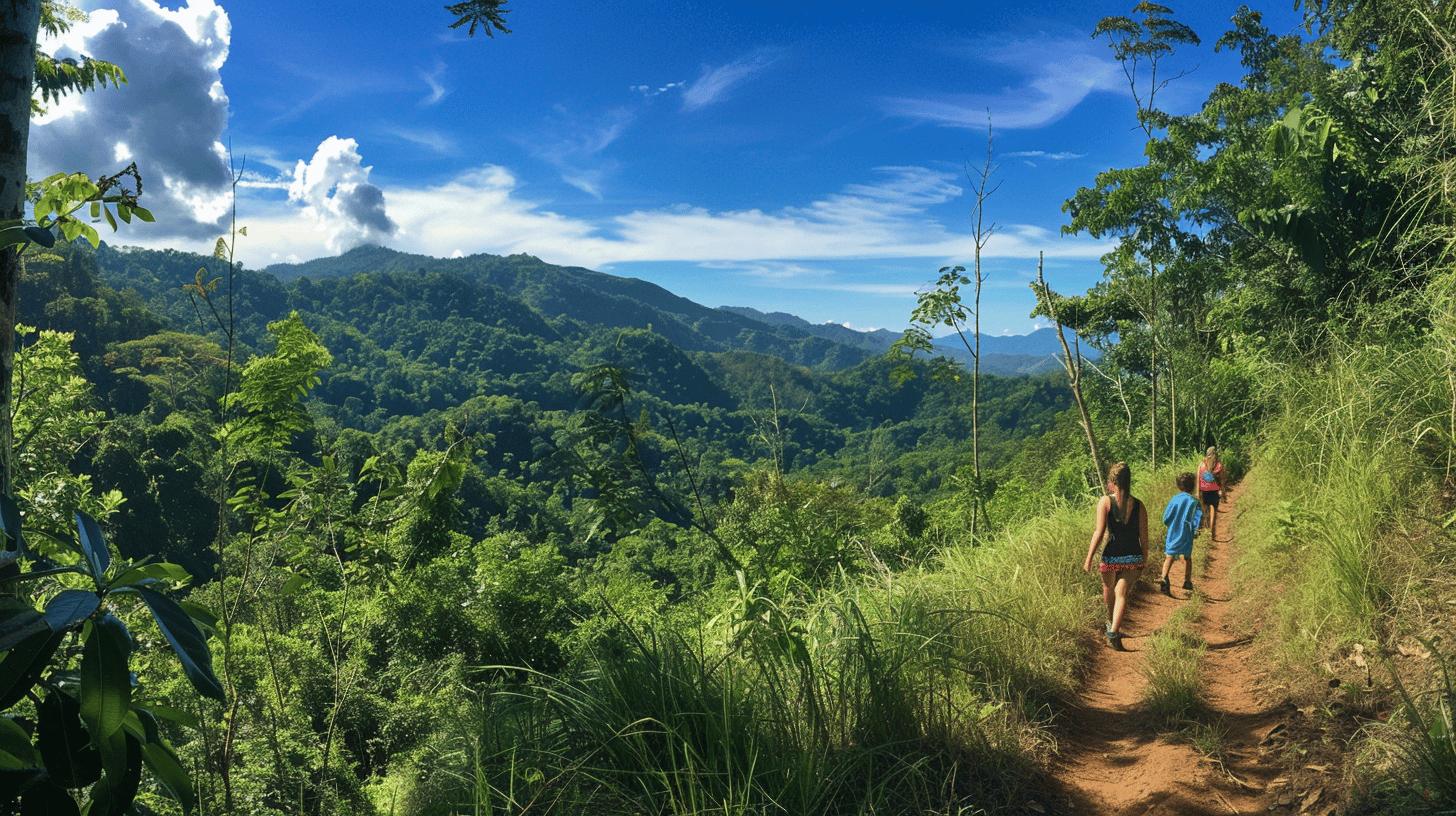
x,y
1210,497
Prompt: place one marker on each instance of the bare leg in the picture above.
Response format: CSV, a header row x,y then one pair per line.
x,y
1121,590
1167,565
1188,570
1109,595
1213,522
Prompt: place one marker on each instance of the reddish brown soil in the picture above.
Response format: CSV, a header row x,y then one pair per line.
x,y
1117,760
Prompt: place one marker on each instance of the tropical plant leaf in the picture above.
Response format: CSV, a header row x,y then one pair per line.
x,y
15,749
93,544
69,608
121,761
20,668
10,522
145,574
17,626
187,642
41,235
66,748
106,677
169,771
186,719
46,798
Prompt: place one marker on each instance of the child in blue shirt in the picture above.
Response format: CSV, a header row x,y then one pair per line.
x,y
1182,517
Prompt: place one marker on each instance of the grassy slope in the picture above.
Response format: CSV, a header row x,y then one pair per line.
x,y
926,691
1347,562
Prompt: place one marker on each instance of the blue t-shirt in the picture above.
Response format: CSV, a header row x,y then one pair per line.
x,y
1181,516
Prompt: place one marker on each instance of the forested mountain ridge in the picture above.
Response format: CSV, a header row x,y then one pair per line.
x,y
416,350
592,298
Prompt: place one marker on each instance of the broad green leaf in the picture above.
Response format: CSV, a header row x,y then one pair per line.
x,y
294,583
144,214
41,235
175,715
10,522
64,745
187,642
121,760
93,544
105,677
46,798
20,667
17,626
169,771
15,744
143,573
200,614
69,608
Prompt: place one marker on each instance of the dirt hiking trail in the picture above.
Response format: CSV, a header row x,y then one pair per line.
x,y
1116,759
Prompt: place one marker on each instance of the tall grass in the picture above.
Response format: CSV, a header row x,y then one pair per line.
x,y
1425,751
864,701
1174,690
926,691
1341,532
1348,475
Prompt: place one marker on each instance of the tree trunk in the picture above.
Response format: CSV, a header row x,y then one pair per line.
x,y
979,510
1153,367
19,26
1073,365
1172,413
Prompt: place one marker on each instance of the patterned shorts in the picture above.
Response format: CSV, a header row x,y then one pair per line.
x,y
1118,563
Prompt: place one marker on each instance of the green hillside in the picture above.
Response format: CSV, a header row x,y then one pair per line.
x,y
388,534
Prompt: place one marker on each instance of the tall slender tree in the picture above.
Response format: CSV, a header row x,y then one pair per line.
x,y
943,306
19,30
1148,226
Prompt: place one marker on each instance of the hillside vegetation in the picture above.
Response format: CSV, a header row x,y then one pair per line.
x,y
493,536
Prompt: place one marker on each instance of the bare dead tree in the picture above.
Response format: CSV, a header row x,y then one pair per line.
x,y
981,232
1072,363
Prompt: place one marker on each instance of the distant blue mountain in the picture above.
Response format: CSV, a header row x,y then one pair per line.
x,y
1000,354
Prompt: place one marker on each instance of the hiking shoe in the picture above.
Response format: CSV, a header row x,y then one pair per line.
x,y
1165,588
1188,585
1114,640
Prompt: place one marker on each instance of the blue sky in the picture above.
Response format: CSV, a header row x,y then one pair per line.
x,y
806,157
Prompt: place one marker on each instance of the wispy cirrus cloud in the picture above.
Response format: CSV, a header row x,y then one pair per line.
x,y
1048,90
716,82
577,156
800,277
435,141
1048,155
886,217
432,79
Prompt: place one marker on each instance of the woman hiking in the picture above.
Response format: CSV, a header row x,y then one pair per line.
x,y
1210,488
1124,522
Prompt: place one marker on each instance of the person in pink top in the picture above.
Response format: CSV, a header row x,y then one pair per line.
x,y
1210,488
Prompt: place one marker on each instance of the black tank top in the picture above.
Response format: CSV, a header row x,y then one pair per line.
x,y
1123,536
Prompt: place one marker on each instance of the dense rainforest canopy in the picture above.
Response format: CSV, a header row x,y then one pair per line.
x,y
395,534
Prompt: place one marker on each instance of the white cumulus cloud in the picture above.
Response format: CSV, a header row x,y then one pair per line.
x,y
333,188
169,117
